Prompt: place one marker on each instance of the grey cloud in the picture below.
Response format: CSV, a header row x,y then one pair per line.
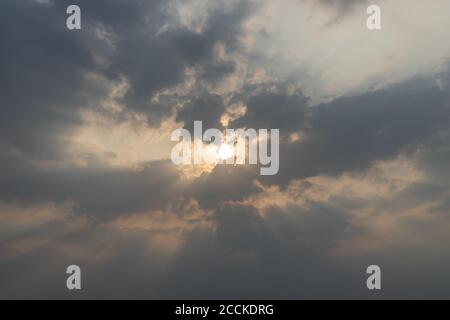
x,y
342,4
223,183
347,134
270,110
352,132
42,78
207,108
283,252
99,192
45,66
342,7
154,61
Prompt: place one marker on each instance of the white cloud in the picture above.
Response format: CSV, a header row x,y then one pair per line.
x,y
329,57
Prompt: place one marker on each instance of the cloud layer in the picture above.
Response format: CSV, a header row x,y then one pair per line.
x,y
86,176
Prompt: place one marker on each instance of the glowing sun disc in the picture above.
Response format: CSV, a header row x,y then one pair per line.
x,y
225,151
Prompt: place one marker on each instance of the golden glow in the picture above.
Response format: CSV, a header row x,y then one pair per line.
x,y
225,151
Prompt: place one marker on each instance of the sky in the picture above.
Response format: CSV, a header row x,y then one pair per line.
x,y
85,151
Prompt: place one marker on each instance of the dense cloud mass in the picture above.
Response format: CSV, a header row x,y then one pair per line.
x,y
86,176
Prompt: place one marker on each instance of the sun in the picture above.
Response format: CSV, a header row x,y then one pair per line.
x,y
225,151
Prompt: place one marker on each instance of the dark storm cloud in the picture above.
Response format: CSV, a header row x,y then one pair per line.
x,y
352,132
240,228
345,135
152,60
207,108
41,273
274,110
99,192
42,78
44,83
222,26
223,183
279,255
283,254
44,65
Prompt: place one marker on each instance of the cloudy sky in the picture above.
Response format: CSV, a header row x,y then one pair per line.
x,y
86,176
